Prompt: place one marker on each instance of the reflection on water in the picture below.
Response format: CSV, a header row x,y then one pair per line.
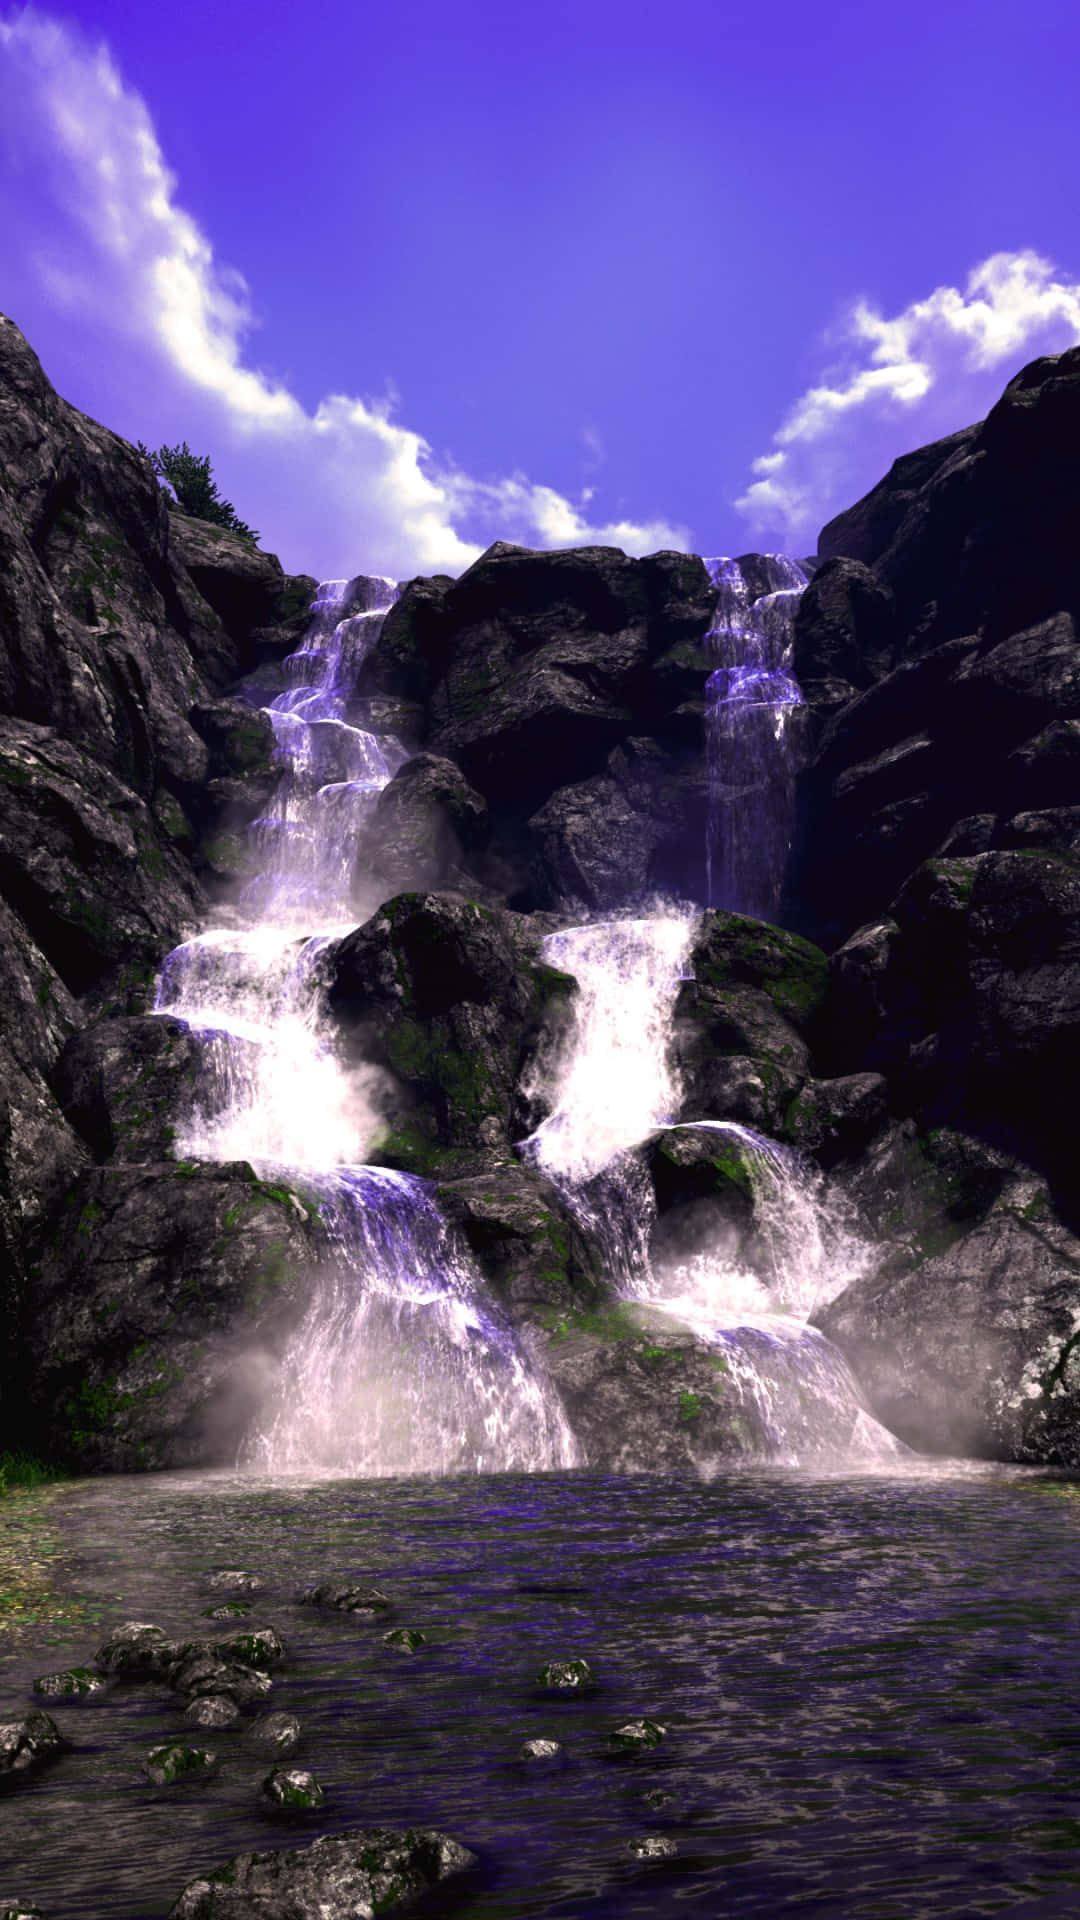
x,y
870,1686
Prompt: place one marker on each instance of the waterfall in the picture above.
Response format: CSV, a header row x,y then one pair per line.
x,y
749,744
612,1088
401,1363
615,1084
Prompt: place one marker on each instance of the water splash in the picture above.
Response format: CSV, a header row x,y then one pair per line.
x,y
614,1084
402,1364
750,748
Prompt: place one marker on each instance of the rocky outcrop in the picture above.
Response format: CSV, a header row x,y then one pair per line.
x,y
569,690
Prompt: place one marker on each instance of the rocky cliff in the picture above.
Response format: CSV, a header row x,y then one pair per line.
x,y
909,1033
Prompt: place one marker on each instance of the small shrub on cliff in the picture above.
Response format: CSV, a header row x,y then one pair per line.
x,y
195,488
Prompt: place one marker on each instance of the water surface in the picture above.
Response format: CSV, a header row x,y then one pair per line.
x,y
871,1686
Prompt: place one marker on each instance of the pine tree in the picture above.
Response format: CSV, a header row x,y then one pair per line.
x,y
195,488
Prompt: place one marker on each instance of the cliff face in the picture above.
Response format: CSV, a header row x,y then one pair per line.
x,y
553,706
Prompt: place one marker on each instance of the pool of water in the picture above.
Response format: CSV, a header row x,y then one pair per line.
x,y
870,1685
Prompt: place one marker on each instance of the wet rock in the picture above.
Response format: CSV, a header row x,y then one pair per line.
x,y
200,1670
539,1750
228,1610
292,1790
242,584
212,1710
652,1846
364,1870
140,1320
526,1243
565,1676
26,1745
345,1598
71,1683
125,1083
234,1580
743,1019
594,848
22,1911
136,1648
405,1639
660,1798
424,827
454,1000
636,1736
834,1119
275,1732
173,1761
845,628
260,1647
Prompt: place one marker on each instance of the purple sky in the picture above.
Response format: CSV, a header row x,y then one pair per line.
x,y
420,276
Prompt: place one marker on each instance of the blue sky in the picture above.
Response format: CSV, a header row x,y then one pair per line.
x,y
419,277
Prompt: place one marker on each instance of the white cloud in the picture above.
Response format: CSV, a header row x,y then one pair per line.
x,y
90,207
927,371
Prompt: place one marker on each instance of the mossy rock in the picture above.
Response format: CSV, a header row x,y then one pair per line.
x,y
173,1761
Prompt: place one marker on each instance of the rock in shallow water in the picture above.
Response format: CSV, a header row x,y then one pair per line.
x,y
539,1750
292,1790
136,1648
174,1761
636,1736
212,1710
234,1580
344,1598
275,1732
405,1639
72,1683
652,1846
344,1876
565,1676
27,1744
228,1610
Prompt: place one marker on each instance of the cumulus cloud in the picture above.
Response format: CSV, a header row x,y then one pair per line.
x,y
903,381
94,228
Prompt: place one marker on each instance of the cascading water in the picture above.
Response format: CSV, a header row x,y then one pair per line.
x,y
401,1363
749,742
615,1086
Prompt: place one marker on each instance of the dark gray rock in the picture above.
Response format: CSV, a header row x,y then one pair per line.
x,y
292,1790
71,1683
234,1580
755,994
142,1315
343,1875
173,1761
423,829
212,1710
200,1670
136,1648
27,1745
454,1000
527,1245
275,1732
565,1676
345,1598
636,1737
125,1083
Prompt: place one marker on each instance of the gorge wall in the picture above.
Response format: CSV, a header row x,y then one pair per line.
x,y
906,1030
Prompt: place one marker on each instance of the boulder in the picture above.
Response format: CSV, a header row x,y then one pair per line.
x,y
364,1870
525,1242
454,1000
125,1083
423,828
26,1746
741,1021
156,1311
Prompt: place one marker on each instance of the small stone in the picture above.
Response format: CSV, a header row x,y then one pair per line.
x,y
21,1911
637,1736
228,1610
262,1648
136,1648
293,1789
406,1639
345,1599
73,1683
28,1744
200,1671
565,1676
659,1797
652,1846
174,1761
539,1749
234,1580
275,1732
212,1710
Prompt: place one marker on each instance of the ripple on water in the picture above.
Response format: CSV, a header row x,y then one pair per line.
x,y
868,1685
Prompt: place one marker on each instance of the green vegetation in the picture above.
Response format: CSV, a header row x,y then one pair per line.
x,y
196,490
24,1470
